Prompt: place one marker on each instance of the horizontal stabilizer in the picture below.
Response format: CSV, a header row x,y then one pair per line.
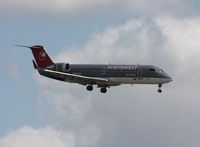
x,y
41,57
23,46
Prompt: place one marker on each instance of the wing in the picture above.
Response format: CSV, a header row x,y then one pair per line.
x,y
73,78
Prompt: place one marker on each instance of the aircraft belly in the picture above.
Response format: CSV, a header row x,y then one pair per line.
x,y
131,80
122,80
107,81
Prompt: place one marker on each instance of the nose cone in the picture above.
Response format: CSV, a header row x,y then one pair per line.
x,y
168,78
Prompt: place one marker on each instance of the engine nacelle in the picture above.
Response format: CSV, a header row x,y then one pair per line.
x,y
63,67
67,67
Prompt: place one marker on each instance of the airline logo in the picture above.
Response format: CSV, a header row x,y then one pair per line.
x,y
42,56
117,67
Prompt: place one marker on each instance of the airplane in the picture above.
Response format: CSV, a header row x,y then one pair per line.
x,y
104,76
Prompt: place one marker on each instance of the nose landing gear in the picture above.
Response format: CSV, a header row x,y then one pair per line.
x,y
159,88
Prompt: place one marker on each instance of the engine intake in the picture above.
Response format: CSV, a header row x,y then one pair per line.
x,y
67,67
63,67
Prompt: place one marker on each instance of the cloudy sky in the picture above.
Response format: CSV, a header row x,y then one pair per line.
x,y
36,111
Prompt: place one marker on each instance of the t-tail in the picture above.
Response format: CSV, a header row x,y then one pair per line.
x,y
41,57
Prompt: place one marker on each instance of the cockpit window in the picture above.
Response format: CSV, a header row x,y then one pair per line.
x,y
159,70
152,69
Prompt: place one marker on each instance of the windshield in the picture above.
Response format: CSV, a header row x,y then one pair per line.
x,y
159,70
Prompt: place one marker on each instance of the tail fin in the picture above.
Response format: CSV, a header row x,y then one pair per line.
x,y
41,57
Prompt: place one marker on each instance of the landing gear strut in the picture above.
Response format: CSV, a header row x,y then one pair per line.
x,y
103,90
159,88
89,87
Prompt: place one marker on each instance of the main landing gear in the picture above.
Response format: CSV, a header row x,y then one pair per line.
x,y
159,88
89,87
102,89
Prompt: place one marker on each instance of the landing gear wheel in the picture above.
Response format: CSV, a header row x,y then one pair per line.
x,y
159,91
159,88
89,87
103,90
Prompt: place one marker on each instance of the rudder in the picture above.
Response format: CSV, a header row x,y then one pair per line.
x,y
41,57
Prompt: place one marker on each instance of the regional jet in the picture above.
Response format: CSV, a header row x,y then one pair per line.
x,y
104,76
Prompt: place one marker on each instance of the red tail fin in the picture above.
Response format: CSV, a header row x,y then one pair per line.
x,y
41,57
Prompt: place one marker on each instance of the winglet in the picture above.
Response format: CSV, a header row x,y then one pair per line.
x,y
34,65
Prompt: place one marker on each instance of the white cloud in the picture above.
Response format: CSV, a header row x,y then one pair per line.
x,y
42,137
125,115
128,115
88,136
167,42
130,43
183,45
70,107
158,7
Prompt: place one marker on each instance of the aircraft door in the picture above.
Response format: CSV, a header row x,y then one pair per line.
x,y
139,73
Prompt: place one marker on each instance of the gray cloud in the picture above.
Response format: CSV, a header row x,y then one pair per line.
x,y
42,137
126,115
102,7
137,115
51,7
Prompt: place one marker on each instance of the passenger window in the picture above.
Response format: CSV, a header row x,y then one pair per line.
x,y
152,69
